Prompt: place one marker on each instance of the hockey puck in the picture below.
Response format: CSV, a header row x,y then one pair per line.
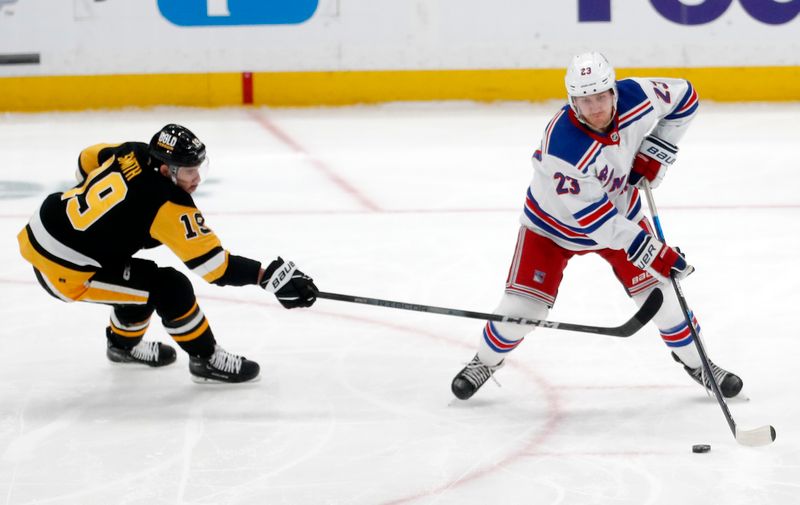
x,y
701,448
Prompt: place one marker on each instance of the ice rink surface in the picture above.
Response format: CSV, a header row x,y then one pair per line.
x,y
417,203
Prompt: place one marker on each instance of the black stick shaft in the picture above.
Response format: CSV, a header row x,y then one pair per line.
x,y
685,309
645,313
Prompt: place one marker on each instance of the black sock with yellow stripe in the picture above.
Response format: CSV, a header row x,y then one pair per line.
x,y
128,325
192,332
172,296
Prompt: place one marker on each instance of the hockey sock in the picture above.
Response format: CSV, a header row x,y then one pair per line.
x,y
674,331
680,341
494,345
498,339
121,341
173,297
128,325
192,332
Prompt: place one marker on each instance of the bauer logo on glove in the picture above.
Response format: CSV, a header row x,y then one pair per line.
x,y
280,277
651,162
291,287
658,259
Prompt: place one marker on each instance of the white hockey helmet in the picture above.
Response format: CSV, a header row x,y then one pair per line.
x,y
589,74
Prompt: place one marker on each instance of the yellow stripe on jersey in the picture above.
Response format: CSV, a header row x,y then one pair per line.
x,y
87,160
182,229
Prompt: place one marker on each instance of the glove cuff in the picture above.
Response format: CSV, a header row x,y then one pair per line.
x,y
643,250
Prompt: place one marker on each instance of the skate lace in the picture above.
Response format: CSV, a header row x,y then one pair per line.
x,y
225,361
718,373
478,373
145,351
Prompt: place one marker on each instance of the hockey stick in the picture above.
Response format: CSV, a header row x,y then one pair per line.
x,y
756,437
634,324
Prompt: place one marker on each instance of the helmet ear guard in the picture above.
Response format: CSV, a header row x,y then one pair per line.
x,y
589,74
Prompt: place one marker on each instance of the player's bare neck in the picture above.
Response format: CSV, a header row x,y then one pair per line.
x,y
601,131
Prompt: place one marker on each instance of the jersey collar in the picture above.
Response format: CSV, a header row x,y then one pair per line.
x,y
610,138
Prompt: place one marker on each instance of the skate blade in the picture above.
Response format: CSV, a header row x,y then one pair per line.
x,y
135,363
207,380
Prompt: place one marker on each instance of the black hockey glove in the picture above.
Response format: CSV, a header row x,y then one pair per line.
x,y
292,287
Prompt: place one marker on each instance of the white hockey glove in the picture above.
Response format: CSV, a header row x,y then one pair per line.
x,y
651,162
660,260
292,287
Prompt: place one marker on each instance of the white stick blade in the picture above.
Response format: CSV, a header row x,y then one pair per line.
x,y
757,437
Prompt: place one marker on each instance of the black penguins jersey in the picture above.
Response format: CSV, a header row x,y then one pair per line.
x,y
121,205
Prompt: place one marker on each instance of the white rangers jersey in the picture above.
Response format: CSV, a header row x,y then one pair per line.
x,y
579,196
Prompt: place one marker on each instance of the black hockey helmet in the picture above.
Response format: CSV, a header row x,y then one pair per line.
x,y
175,145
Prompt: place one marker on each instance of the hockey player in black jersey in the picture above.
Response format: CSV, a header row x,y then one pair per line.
x,y
132,196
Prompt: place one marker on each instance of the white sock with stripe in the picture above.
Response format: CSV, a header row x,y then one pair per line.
x,y
498,339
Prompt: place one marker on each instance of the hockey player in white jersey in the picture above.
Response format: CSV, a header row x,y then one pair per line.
x,y
584,198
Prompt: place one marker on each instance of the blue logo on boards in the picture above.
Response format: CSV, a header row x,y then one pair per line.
x,y
237,12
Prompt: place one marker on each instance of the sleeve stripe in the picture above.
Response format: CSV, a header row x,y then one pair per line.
x,y
691,102
684,114
599,218
687,105
195,262
212,264
591,208
687,97
536,214
599,213
595,215
635,205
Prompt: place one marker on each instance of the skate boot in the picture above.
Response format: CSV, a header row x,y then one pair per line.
x,y
145,352
472,377
729,383
222,366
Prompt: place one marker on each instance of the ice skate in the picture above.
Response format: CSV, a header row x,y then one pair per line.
x,y
472,377
729,383
223,366
145,352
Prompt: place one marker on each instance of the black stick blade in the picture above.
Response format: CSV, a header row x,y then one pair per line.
x,y
646,312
